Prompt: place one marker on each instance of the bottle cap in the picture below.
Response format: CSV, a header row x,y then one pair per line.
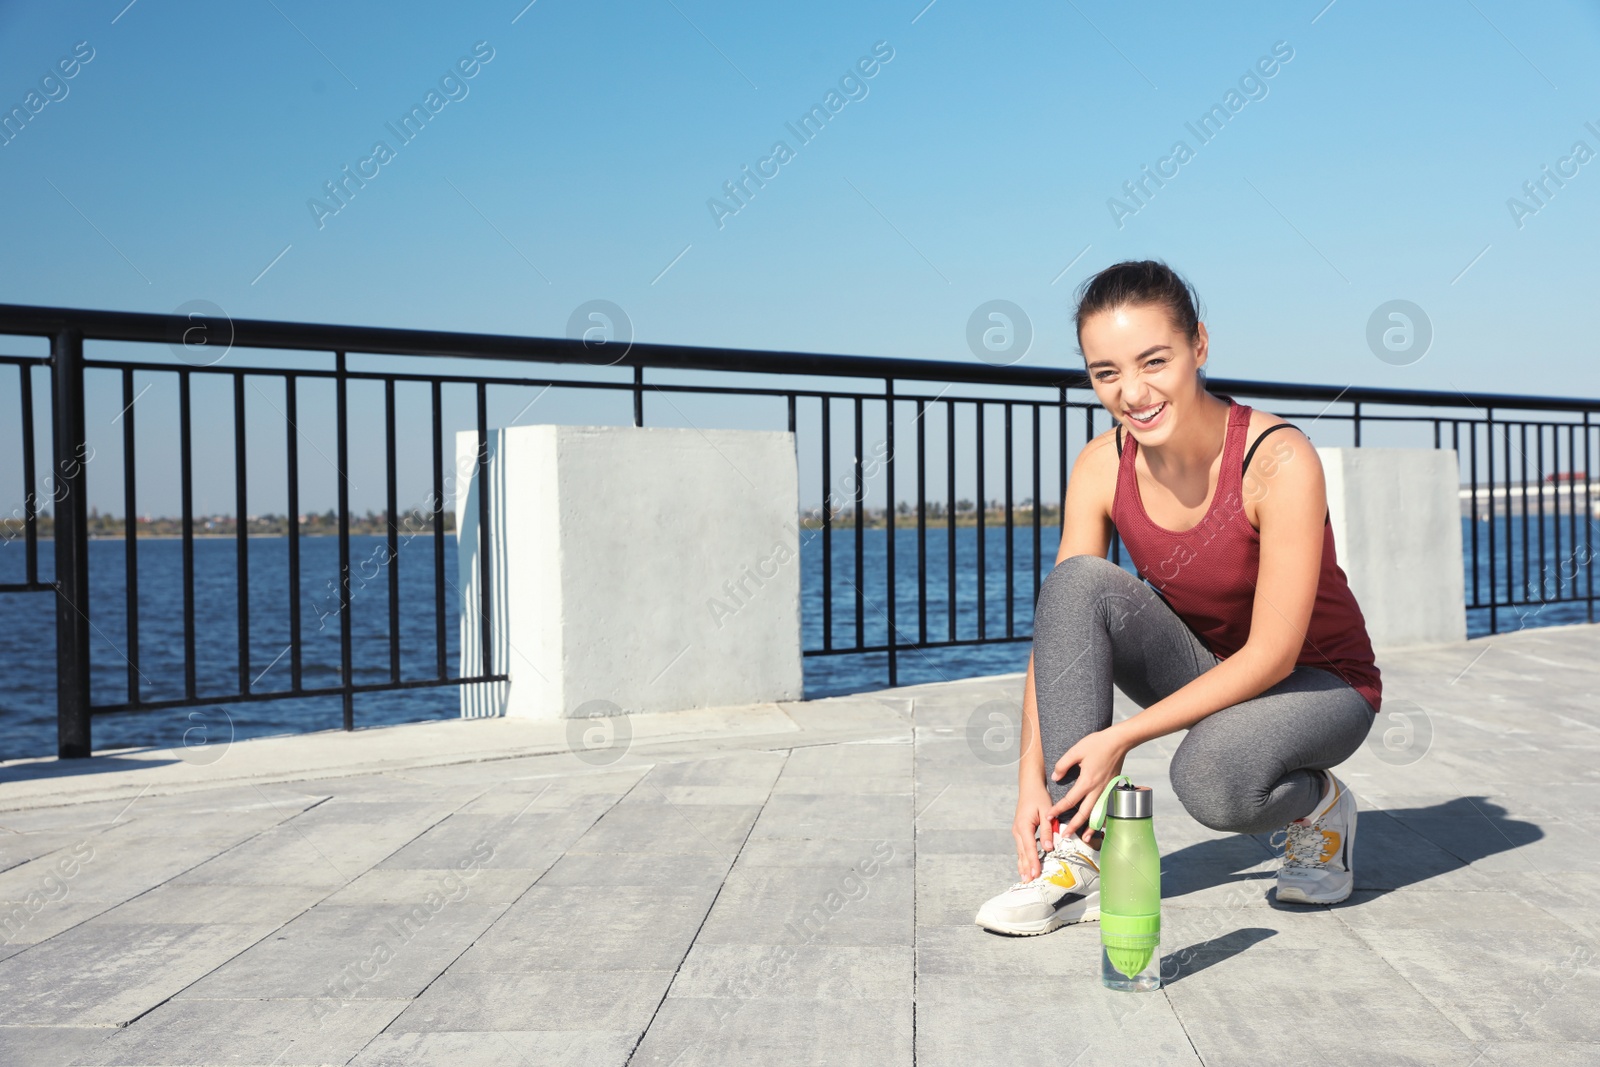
x,y
1129,801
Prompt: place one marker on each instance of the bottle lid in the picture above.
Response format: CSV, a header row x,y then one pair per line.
x,y
1130,802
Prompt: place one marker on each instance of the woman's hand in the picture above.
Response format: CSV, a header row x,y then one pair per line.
x,y
1098,758
1033,812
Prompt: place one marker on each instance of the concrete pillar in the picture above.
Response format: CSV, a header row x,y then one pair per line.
x,y
657,569
1396,516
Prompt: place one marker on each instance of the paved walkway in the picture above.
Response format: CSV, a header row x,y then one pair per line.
x,y
793,884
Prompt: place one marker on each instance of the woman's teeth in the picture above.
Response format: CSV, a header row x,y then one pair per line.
x,y
1147,417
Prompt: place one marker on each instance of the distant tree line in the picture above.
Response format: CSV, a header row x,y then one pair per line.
x,y
966,514
413,521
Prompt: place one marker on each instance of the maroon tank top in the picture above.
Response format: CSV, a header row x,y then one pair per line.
x,y
1208,573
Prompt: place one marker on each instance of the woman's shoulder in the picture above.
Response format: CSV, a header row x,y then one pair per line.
x,y
1101,452
1278,448
1262,422
1095,469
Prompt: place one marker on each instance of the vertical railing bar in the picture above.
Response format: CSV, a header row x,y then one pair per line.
x,y
827,522
186,491
438,529
71,547
392,547
860,505
1527,572
922,524
342,429
1010,528
130,536
1572,500
1538,438
889,527
794,439
30,489
1455,447
638,395
241,531
1472,465
1555,502
983,552
1588,515
1356,423
485,574
291,436
950,512
1511,570
1494,562
1038,505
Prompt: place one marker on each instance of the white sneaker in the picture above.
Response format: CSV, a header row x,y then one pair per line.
x,y
1066,891
1318,850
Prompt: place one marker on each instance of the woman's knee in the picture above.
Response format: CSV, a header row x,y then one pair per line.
x,y
1082,567
1209,797
1078,579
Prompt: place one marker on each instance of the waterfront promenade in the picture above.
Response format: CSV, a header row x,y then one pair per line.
x,y
793,884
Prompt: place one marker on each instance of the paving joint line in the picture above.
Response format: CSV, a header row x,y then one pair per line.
x,y
709,908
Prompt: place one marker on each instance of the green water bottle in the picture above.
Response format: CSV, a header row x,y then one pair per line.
x,y
1130,888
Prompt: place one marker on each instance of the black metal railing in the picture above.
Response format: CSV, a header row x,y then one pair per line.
x,y
1496,485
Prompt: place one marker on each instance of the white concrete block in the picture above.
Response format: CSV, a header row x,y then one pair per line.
x,y
655,568
1397,530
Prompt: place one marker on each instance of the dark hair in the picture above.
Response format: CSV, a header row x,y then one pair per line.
x,y
1137,283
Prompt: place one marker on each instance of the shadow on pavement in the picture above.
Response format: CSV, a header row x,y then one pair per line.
x,y
1395,848
1181,964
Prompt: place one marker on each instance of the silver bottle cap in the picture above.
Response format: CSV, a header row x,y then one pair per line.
x,y
1129,802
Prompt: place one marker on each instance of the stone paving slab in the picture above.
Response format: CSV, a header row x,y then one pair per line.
x,y
795,884
500,1048
109,974
279,1033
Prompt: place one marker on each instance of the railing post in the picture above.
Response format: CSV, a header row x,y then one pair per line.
x,y
71,547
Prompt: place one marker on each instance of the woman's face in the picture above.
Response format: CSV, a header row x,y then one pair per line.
x,y
1140,365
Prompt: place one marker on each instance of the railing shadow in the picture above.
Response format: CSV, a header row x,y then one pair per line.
x,y
103,763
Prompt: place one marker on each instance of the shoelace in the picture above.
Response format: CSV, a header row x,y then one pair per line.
x,y
1058,854
1300,840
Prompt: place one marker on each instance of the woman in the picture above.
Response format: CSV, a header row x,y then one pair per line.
x,y
1247,634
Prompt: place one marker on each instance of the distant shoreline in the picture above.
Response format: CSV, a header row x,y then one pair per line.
x,y
254,536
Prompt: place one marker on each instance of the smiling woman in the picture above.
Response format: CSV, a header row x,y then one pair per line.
x,y
1246,635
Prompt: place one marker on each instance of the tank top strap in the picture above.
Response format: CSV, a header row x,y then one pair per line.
x,y
1127,448
1232,473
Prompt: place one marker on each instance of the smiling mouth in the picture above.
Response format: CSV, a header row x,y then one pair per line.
x,y
1150,414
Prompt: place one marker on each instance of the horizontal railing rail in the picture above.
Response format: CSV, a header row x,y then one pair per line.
x,y
1519,457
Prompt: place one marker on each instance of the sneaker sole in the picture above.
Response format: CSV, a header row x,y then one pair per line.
x,y
1293,895
1043,926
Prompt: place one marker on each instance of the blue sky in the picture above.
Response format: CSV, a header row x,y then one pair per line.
x,y
975,164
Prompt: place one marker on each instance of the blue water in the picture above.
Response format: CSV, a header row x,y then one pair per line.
x,y
27,640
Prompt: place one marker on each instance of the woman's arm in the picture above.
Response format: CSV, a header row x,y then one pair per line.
x,y
1292,492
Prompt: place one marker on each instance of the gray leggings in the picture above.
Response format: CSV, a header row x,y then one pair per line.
x,y
1247,768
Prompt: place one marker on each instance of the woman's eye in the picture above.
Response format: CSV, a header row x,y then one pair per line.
x,y
1155,362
